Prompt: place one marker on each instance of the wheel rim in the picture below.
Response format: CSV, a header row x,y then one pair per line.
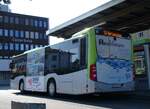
x,y
51,89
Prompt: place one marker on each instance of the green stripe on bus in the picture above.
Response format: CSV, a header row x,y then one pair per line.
x,y
92,53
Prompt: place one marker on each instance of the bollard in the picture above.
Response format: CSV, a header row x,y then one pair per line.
x,y
18,105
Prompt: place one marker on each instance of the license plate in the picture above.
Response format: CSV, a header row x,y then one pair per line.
x,y
116,85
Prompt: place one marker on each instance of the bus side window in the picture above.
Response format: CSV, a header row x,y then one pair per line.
x,y
83,52
74,59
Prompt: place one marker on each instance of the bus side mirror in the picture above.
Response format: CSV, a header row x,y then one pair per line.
x,y
11,65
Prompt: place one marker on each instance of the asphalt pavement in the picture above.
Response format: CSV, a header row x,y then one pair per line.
x,y
103,101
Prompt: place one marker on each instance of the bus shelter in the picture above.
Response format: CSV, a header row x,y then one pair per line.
x,y
126,16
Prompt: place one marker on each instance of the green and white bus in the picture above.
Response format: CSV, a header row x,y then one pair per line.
x,y
92,61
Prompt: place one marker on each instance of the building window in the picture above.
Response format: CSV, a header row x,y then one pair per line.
x,y
26,21
17,33
36,46
32,35
5,46
1,18
32,22
6,19
35,23
45,24
22,47
1,32
4,75
36,35
11,19
5,32
27,34
45,37
16,46
40,36
21,34
11,46
31,46
16,20
21,21
27,47
1,46
6,57
11,32
40,23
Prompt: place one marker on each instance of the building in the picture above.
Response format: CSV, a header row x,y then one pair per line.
x,y
19,33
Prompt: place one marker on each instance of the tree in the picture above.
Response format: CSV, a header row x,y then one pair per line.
x,y
5,1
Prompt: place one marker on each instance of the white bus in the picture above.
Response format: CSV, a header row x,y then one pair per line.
x,y
92,61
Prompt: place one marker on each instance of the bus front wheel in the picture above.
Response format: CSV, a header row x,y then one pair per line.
x,y
21,86
51,88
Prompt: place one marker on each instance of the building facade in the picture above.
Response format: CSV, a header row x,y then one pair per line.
x,y
19,33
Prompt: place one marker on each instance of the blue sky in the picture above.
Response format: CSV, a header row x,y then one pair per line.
x,y
58,11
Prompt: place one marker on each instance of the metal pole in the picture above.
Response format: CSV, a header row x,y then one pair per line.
x,y
147,55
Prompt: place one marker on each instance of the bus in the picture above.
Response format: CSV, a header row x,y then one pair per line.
x,y
91,61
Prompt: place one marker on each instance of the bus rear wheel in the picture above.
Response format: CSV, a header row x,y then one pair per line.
x,y
51,88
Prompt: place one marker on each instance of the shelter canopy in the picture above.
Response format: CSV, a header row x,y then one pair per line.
x,y
121,15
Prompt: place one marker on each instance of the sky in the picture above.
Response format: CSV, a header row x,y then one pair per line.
x,y
58,11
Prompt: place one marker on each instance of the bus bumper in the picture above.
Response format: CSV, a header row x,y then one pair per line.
x,y
103,87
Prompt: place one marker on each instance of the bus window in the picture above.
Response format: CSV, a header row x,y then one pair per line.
x,y
19,66
75,58
57,61
35,66
83,52
51,61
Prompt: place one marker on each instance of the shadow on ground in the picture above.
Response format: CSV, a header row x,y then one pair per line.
x,y
111,100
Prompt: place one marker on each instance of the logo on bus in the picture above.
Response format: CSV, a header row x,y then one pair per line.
x,y
102,42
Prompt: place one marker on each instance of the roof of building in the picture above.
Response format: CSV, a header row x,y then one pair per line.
x,y
121,15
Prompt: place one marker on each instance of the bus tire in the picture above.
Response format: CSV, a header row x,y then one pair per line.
x,y
51,88
21,86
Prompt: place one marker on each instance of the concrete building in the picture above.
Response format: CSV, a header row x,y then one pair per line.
x,y
19,33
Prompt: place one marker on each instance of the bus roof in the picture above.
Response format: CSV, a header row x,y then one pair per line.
x,y
28,51
32,50
76,35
